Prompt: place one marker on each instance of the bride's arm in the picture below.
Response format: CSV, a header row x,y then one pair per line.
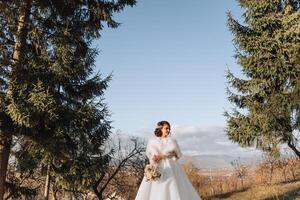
x,y
173,149
151,151
177,149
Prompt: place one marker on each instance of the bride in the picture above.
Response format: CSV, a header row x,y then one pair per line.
x,y
172,184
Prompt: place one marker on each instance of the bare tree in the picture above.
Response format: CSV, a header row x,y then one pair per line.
x,y
283,166
125,168
240,170
24,176
270,164
294,167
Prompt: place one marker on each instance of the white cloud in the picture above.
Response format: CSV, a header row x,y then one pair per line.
x,y
209,140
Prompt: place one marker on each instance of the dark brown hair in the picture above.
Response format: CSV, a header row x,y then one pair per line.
x,y
160,124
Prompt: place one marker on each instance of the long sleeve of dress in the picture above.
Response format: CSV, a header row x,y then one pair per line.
x,y
171,145
178,151
151,150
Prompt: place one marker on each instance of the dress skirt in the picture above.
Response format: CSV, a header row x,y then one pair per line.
x,y
172,185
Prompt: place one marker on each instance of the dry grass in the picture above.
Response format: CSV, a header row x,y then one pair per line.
x,y
269,179
276,191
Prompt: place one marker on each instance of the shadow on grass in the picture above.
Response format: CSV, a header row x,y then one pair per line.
x,y
228,194
290,195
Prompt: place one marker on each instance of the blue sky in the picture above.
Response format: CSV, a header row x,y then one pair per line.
x,y
168,59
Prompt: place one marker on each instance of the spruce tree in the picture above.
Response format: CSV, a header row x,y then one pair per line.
x,y
266,99
50,93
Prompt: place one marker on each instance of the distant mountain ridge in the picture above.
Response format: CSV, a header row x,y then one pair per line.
x,y
216,161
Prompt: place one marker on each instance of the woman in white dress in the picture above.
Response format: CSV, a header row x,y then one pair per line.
x,y
173,183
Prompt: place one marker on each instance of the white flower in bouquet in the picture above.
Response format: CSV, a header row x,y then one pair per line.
x,y
152,172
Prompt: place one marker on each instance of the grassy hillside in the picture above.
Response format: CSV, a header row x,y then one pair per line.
x,y
287,191
270,178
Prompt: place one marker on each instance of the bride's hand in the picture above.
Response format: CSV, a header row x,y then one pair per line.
x,y
173,153
156,158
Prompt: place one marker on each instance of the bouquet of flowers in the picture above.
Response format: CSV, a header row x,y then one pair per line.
x,y
151,172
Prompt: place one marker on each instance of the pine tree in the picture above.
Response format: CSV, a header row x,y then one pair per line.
x,y
49,91
266,99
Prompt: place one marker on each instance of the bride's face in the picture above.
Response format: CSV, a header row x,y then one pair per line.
x,y
165,130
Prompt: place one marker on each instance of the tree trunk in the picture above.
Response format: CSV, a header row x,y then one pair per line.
x,y
17,62
47,183
21,35
5,144
293,147
54,193
98,194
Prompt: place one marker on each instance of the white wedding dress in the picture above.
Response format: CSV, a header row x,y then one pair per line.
x,y
173,183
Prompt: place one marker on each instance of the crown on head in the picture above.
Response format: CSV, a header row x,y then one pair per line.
x,y
159,126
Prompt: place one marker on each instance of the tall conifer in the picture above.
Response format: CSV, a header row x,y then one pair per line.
x,y
49,90
267,98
